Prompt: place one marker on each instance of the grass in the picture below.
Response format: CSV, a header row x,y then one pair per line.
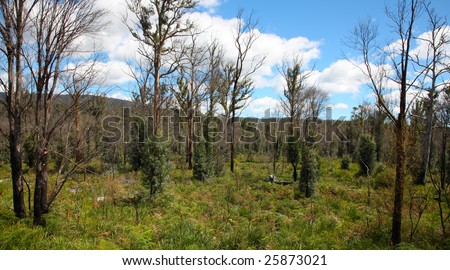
x,y
235,211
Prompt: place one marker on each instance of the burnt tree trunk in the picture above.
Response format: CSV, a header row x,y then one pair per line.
x,y
11,36
189,147
275,155
428,133
295,174
17,173
232,150
78,139
157,92
399,186
40,190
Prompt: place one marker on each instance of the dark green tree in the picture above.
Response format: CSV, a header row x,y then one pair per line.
x,y
367,154
310,171
201,170
154,166
135,145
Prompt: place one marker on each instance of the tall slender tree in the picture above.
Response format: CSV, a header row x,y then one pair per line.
x,y
363,39
239,87
191,86
14,19
57,28
293,105
435,62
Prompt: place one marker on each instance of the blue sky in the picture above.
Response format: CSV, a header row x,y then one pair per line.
x,y
316,29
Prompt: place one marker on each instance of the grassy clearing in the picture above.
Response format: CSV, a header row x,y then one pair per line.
x,y
235,211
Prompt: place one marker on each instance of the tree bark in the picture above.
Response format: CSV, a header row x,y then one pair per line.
x,y
232,150
189,142
157,87
428,133
40,190
78,140
17,173
396,236
13,24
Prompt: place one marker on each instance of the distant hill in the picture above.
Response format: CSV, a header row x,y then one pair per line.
x,y
66,99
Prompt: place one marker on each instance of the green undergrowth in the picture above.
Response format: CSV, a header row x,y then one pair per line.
x,y
235,211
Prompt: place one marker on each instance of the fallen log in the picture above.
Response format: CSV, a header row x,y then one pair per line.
x,y
284,182
273,179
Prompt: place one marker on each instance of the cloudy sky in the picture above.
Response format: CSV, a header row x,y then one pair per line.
x,y
316,29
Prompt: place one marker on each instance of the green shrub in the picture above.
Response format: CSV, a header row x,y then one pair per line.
x,y
154,166
135,145
345,163
367,154
218,158
383,177
310,171
200,169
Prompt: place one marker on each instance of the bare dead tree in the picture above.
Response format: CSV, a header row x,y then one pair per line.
x,y
435,63
239,87
57,27
190,92
78,83
224,89
441,182
215,78
363,39
14,19
140,70
159,24
315,100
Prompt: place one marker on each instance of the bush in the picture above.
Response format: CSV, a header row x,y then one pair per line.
x,y
154,166
134,147
367,154
201,170
383,176
345,163
310,171
217,159
134,152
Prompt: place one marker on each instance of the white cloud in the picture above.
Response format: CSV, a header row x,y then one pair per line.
x,y
119,95
339,106
119,45
115,72
273,47
257,107
210,5
341,77
105,73
116,39
423,45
